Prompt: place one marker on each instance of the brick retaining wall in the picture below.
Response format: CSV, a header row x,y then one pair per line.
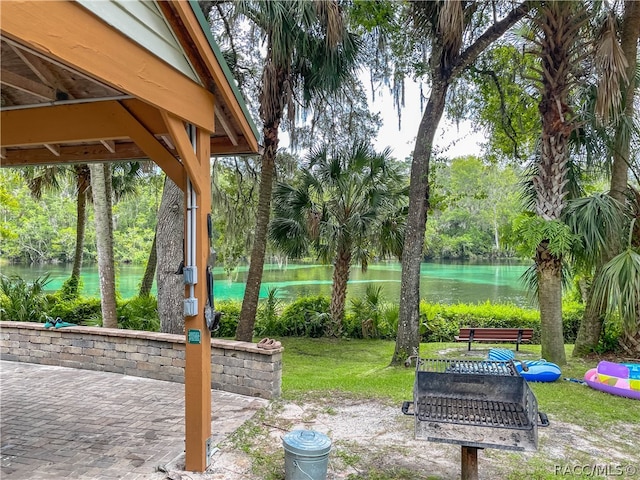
x,y
237,367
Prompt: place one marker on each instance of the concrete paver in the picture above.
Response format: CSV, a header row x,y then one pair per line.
x,y
64,423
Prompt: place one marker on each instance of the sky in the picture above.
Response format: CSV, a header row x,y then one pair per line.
x,y
451,140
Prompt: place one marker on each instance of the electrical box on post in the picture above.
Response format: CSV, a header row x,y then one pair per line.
x,y
190,307
190,275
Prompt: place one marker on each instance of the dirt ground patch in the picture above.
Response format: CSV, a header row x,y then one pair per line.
x,y
373,440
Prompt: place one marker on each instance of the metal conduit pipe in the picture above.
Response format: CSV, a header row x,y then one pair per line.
x,y
190,270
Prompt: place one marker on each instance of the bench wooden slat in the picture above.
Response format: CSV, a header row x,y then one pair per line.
x,y
515,335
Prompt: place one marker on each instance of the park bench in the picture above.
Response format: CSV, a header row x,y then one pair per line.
x,y
494,335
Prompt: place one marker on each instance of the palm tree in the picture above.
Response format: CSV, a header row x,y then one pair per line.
x,y
591,325
308,50
343,205
108,184
48,178
556,30
600,221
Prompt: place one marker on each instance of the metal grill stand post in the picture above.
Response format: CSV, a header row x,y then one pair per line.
x,y
469,463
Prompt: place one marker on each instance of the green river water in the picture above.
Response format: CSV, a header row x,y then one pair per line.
x,y
440,282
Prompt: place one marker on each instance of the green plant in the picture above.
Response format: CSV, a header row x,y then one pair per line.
x,y
611,333
22,301
367,311
71,288
139,313
229,321
267,318
81,311
306,316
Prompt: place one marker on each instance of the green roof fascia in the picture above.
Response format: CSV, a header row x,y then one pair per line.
x,y
206,29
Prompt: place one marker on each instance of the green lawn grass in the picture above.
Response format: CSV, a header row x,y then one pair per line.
x,y
326,372
361,367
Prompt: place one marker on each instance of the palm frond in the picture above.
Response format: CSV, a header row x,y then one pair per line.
x,y
611,66
617,290
597,221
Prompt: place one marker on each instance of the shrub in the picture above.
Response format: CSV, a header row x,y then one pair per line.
x,y
306,316
443,321
572,313
229,321
139,313
440,323
611,332
21,301
267,322
81,311
71,288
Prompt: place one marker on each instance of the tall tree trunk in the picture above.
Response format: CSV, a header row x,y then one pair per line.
x,y
408,337
591,326
170,252
83,183
244,331
549,269
558,24
271,111
446,64
341,268
101,187
83,175
150,270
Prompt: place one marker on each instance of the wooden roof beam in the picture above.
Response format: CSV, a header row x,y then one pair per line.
x,y
91,153
39,68
110,145
75,123
107,56
225,126
55,149
27,85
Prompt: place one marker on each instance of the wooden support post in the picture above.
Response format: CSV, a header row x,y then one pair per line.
x,y
198,338
469,462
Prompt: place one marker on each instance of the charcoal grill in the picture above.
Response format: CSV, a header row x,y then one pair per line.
x,y
475,404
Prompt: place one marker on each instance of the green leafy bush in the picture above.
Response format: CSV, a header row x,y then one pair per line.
x,y
611,332
443,321
139,313
71,288
267,321
81,311
306,316
572,313
229,321
439,323
22,301
370,317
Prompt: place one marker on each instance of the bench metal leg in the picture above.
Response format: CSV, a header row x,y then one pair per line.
x,y
469,347
517,347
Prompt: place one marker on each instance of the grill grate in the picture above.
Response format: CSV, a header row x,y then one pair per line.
x,y
471,367
472,412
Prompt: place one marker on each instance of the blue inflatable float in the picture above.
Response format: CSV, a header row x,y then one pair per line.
x,y
536,371
539,371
